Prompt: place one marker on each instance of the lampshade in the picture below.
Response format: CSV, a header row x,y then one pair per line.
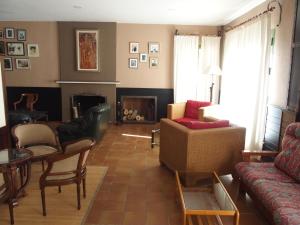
x,y
213,70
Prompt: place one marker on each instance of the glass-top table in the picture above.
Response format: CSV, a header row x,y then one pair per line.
x,y
204,199
8,156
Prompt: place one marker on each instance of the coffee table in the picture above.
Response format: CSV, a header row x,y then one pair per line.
x,y
204,199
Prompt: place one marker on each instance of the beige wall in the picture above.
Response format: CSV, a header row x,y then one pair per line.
x,y
283,49
44,69
144,77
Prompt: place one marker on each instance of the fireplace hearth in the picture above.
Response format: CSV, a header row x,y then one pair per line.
x,y
138,109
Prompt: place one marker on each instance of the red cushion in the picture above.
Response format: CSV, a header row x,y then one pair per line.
x,y
207,125
191,108
184,121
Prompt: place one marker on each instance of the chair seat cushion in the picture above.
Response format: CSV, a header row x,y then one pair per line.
x,y
207,125
249,172
192,107
287,216
60,177
274,195
184,120
40,150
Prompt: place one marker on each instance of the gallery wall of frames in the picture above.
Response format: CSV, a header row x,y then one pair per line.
x,y
150,57
15,49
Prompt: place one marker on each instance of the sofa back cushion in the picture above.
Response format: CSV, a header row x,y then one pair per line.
x,y
192,107
288,160
207,125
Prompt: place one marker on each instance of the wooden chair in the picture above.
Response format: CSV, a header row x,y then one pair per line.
x,y
66,168
31,99
38,138
4,194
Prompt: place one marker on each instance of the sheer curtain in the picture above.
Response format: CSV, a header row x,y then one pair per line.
x,y
209,55
245,78
185,67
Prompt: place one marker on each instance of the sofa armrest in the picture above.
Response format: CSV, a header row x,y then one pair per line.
x,y
176,110
248,154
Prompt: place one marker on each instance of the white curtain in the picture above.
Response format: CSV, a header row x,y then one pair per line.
x,y
209,55
245,78
185,67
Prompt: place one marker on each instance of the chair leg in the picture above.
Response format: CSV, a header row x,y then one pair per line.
x,y
43,166
78,196
59,189
11,212
43,201
84,187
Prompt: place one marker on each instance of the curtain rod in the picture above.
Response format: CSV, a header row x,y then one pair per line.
x,y
269,9
190,34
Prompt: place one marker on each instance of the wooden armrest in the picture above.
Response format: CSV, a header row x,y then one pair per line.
x,y
247,154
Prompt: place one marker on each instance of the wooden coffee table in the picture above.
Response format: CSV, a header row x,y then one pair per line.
x,y
204,199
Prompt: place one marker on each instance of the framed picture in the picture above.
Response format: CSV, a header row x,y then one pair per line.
x,y
33,50
9,33
153,62
21,35
153,47
2,48
7,64
1,34
87,50
134,47
15,48
22,64
133,63
143,57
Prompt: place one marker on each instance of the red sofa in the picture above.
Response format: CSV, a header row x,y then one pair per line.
x,y
275,186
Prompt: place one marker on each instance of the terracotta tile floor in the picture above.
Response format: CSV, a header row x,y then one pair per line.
x,y
136,189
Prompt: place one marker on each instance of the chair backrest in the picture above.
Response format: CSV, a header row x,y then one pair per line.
x,y
30,98
34,134
73,159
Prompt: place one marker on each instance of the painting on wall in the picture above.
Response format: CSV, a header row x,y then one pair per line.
x,y
7,64
2,48
1,34
133,63
21,35
15,48
153,62
143,57
153,47
33,50
134,47
9,33
87,50
22,64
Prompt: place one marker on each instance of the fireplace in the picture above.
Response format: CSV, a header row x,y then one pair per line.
x,y
138,109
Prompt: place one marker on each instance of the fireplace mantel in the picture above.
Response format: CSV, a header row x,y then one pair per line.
x,y
86,82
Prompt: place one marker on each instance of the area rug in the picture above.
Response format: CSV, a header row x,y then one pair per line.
x,y
61,207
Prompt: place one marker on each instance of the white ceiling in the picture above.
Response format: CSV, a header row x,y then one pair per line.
x,y
193,12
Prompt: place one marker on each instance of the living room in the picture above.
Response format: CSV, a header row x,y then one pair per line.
x,y
238,57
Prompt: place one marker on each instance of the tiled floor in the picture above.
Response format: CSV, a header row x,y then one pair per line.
x,y
136,189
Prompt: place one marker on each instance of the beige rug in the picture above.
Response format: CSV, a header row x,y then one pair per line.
x,y
61,207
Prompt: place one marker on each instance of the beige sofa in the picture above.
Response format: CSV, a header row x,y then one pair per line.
x,y
205,150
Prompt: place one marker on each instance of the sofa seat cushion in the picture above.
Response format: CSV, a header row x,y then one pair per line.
x,y
286,216
184,120
249,172
274,195
207,125
288,160
192,108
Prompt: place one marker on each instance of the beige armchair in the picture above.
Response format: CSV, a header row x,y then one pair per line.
x,y
66,168
203,150
38,138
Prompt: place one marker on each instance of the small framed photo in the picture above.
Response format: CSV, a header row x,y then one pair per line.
x,y
1,34
9,33
153,62
7,64
153,47
2,48
15,48
134,47
133,63
33,50
21,35
23,64
143,57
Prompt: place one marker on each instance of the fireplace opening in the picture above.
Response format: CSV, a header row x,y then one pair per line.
x,y
138,109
